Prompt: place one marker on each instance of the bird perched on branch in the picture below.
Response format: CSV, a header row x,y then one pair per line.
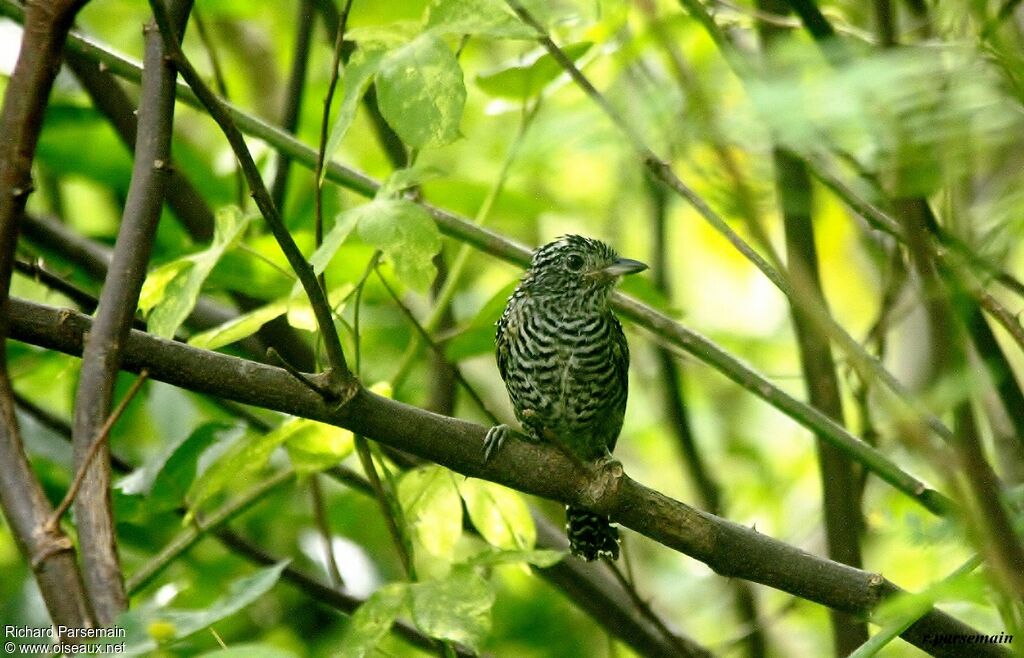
x,y
564,360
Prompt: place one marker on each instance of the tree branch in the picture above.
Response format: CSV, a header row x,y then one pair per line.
x,y
25,506
118,302
730,549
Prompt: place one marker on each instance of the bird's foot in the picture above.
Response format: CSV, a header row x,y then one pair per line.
x,y
609,465
494,439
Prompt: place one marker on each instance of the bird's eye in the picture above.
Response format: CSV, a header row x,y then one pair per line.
x,y
574,262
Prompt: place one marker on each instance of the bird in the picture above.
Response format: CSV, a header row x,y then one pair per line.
x,y
564,359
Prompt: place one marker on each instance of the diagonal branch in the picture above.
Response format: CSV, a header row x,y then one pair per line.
x,y
730,549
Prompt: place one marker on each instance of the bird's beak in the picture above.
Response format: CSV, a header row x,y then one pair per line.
x,y
624,266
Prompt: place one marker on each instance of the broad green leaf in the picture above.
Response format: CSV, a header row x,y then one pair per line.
x,y
406,234
538,557
240,327
147,627
526,79
165,480
491,18
372,621
432,507
343,225
421,93
170,292
456,608
249,651
359,73
246,457
157,280
314,446
499,514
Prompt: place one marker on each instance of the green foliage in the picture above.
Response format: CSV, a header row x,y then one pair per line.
x,y
165,480
152,626
372,620
433,510
359,73
249,651
239,327
406,234
527,77
498,513
456,608
486,18
311,446
421,92
170,291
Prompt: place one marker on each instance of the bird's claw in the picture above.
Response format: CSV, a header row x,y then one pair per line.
x,y
494,439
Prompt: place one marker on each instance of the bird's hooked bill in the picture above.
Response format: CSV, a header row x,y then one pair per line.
x,y
624,266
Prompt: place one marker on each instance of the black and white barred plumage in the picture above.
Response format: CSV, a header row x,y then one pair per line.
x,y
564,360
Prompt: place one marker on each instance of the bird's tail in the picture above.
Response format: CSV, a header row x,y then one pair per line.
x,y
591,536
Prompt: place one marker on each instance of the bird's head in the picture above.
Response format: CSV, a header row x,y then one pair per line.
x,y
575,266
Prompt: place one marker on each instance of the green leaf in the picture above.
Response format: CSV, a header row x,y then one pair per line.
x,y
240,327
147,627
166,480
314,446
421,93
249,651
358,75
244,458
372,621
432,507
526,79
499,514
406,234
540,557
456,608
491,18
403,179
344,222
170,291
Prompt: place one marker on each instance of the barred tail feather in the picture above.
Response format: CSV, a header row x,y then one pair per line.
x,y
591,536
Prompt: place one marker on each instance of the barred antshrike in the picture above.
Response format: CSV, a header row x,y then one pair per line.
x,y
564,359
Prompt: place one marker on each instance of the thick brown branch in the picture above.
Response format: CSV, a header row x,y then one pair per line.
x,y
118,301
730,549
24,504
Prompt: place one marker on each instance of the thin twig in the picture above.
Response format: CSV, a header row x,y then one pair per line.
x,y
200,527
293,95
94,448
325,121
645,608
222,87
324,528
438,349
308,382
